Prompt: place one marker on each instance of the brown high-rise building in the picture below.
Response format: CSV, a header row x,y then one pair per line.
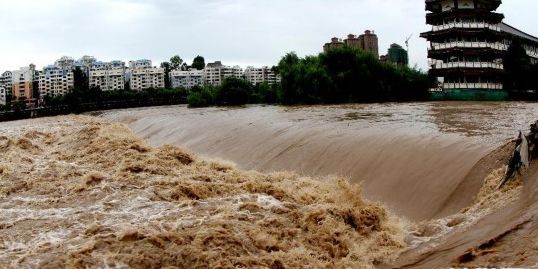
x,y
23,83
367,42
335,43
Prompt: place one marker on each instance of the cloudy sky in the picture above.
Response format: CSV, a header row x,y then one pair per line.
x,y
243,32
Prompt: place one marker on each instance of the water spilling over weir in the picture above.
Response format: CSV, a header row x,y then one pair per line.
x,y
412,157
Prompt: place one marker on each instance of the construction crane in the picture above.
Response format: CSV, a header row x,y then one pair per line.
x,y
407,42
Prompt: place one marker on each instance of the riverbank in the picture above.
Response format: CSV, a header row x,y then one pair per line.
x,y
85,107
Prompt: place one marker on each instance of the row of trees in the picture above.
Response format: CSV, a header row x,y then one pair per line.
x,y
233,92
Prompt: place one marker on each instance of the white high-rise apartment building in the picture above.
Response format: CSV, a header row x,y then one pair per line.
x,y
6,81
3,95
65,62
260,75
186,79
142,75
107,76
215,73
55,81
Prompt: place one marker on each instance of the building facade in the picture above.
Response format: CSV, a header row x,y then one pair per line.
x,y
142,75
187,79
215,73
65,62
55,81
468,40
258,75
107,76
24,82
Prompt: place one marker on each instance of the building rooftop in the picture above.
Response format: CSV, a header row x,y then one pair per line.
x,y
513,31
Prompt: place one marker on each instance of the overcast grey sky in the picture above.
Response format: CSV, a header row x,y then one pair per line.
x,y
244,32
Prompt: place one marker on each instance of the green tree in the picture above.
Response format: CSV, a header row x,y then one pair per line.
x,y
81,81
198,63
517,70
176,62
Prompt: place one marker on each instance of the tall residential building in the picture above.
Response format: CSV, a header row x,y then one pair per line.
x,y
398,55
65,62
468,41
6,80
142,75
86,62
3,95
23,83
55,81
186,79
107,76
366,42
369,42
255,75
215,73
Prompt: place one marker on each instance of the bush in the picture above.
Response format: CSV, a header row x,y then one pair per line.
x,y
233,91
200,98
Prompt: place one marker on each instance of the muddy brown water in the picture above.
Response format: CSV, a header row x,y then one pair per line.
x,y
413,157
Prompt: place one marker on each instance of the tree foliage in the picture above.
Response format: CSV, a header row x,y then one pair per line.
x,y
176,62
198,63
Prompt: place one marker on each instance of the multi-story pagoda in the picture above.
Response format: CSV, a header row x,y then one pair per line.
x,y
468,40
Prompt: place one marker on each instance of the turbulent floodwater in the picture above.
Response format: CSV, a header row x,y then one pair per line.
x,y
89,192
76,192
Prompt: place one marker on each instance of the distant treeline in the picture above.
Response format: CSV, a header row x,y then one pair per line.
x,y
343,75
